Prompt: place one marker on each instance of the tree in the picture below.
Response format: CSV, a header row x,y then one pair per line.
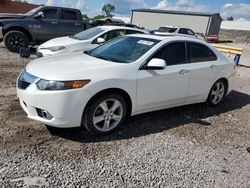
x,y
108,9
85,17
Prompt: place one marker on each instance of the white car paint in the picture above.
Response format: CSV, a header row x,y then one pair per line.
x,y
73,45
148,90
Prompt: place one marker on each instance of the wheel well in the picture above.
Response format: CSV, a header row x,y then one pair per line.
x,y
121,92
25,31
226,81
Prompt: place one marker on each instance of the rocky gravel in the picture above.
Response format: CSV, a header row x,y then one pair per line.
x,y
190,146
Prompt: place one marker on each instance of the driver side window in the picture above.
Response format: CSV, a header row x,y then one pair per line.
x,y
50,14
111,35
173,53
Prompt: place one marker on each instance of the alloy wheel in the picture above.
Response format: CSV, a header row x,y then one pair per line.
x,y
108,115
217,92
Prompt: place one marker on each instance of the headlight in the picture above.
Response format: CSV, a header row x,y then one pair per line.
x,y
60,85
56,48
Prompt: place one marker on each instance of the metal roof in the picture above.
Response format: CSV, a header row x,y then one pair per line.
x,y
177,12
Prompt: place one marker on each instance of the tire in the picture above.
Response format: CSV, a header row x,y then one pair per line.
x,y
14,40
105,114
217,93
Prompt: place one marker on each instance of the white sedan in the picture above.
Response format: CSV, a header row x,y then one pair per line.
x,y
126,76
85,40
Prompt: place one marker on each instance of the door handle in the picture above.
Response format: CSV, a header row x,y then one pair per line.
x,y
213,67
54,22
77,24
183,71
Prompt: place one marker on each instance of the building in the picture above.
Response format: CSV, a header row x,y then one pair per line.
x,y
8,6
206,23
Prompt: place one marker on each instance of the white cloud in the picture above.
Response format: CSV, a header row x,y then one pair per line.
x,y
241,10
79,4
184,5
125,6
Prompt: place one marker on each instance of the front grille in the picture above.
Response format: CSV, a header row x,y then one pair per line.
x,y
25,79
22,84
39,112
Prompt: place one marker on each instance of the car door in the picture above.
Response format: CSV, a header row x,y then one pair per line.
x,y
70,24
204,67
168,87
46,27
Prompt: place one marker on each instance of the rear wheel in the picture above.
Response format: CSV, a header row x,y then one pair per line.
x,y
105,114
14,40
217,93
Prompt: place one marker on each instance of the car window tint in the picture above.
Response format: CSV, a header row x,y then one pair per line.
x,y
88,33
183,31
69,15
173,54
133,32
112,34
190,32
200,53
50,13
125,49
167,29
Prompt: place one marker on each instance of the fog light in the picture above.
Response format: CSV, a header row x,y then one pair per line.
x,y
46,115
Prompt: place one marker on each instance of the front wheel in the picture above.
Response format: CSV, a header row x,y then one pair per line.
x,y
105,114
14,40
217,93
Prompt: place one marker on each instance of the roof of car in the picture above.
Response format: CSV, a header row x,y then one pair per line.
x,y
110,27
168,37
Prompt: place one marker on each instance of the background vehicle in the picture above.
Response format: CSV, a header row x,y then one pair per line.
x,y
126,76
39,25
173,30
84,40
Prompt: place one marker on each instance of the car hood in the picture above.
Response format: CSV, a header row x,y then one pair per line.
x,y
61,41
11,16
70,66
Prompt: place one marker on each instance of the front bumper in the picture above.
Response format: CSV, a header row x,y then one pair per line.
x,y
65,106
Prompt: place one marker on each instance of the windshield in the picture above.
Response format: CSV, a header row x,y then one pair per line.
x,y
88,34
167,29
33,11
124,49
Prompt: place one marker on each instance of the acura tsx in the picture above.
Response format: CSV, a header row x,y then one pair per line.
x,y
126,76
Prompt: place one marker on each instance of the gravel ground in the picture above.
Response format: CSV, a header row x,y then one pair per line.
x,y
191,146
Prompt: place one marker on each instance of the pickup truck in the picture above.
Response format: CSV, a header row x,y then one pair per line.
x,y
39,25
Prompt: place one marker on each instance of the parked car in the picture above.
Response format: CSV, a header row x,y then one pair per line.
x,y
85,40
39,25
169,30
126,76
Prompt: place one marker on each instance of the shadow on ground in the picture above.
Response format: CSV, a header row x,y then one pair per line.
x,y
159,121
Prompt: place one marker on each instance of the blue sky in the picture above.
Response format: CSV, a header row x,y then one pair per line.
x,y
235,8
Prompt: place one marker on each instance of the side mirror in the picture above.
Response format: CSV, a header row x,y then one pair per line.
x,y
157,64
100,40
39,15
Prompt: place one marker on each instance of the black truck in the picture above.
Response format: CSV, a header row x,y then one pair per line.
x,y
39,25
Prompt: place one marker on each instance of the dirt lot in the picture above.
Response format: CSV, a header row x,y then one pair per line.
x,y
191,146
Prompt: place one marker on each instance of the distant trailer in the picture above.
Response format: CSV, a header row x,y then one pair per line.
x,y
206,23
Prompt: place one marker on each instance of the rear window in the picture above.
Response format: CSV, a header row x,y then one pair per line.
x,y
167,29
69,15
200,53
133,32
